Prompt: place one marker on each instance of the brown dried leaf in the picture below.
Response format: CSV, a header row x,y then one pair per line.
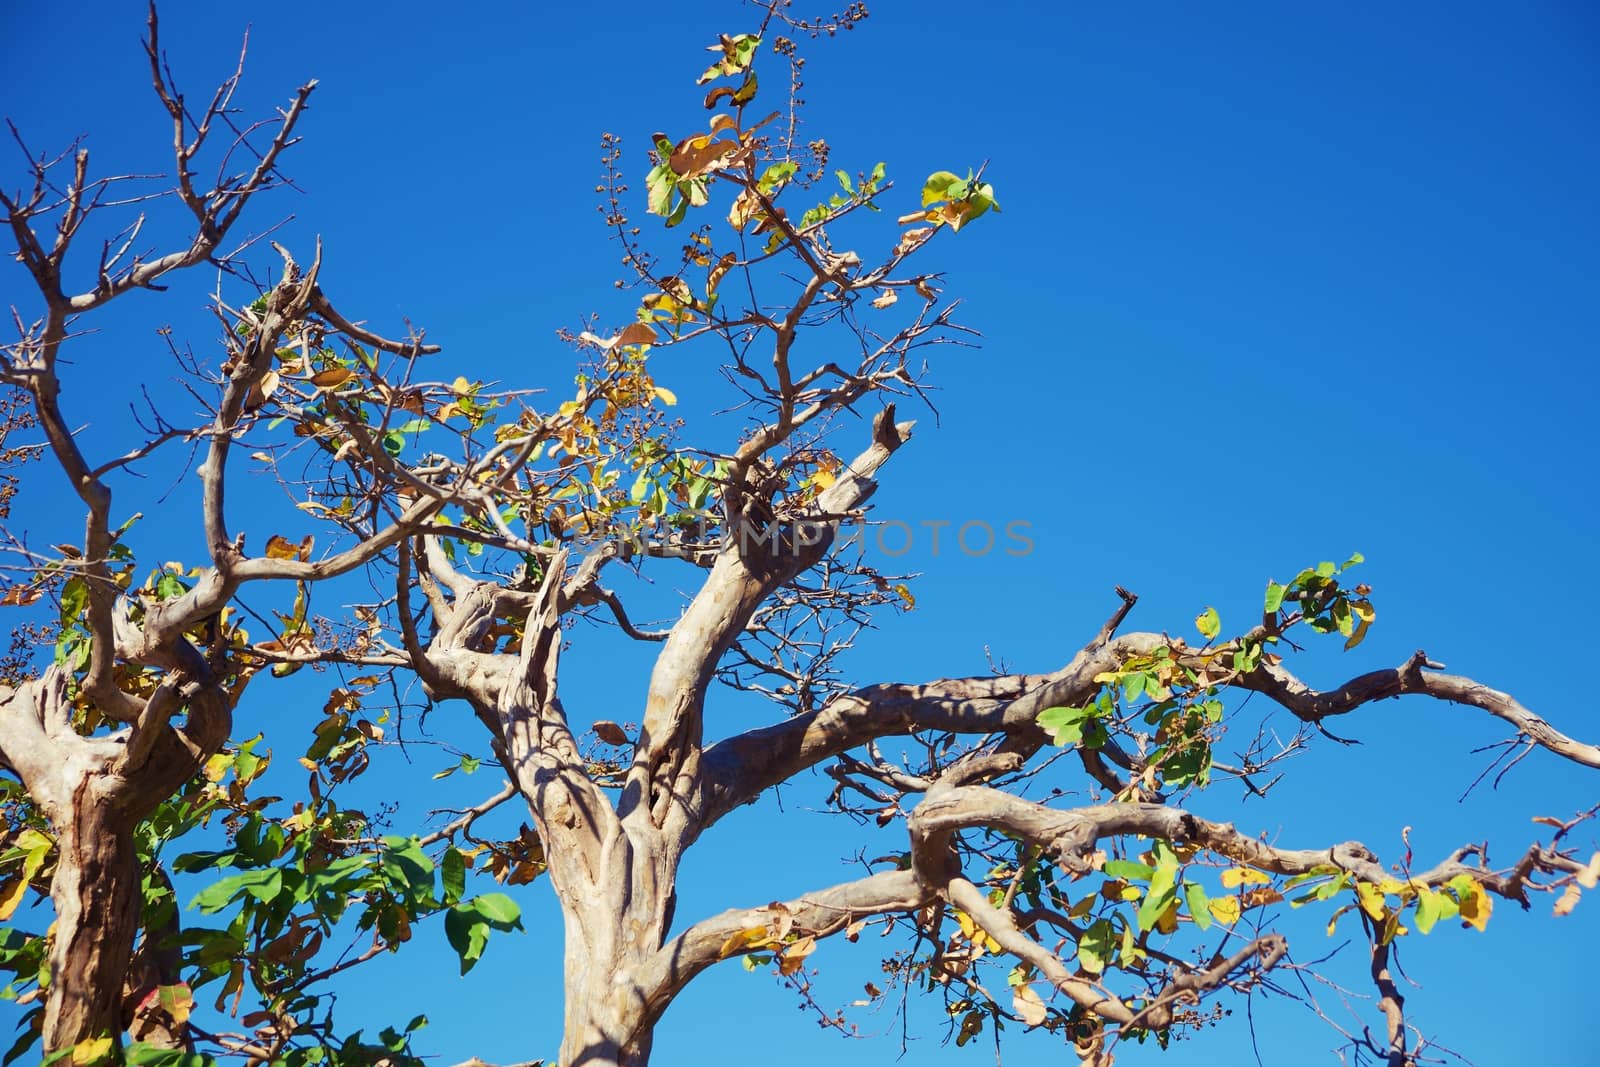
x,y
610,733
1257,898
781,922
1590,875
794,955
720,268
332,378
911,240
1569,900
639,333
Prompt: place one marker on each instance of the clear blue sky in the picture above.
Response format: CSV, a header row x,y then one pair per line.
x,y
1272,283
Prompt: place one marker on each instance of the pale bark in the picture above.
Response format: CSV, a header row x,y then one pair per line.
x,y
94,791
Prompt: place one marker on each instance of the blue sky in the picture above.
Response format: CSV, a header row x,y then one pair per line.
x,y
1272,284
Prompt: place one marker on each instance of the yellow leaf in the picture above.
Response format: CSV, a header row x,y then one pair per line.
x,y
461,387
666,396
279,547
1371,898
31,840
11,893
217,766
1225,910
91,1050
905,594
742,940
1476,908
822,479
1234,877
299,822
1029,1008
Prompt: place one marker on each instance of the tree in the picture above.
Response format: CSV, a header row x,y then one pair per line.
x,y
471,526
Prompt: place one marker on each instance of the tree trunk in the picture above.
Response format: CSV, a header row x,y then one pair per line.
x,y
611,930
96,896
614,927
602,1025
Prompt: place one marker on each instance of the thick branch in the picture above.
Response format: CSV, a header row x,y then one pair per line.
x,y
817,914
749,567
1411,677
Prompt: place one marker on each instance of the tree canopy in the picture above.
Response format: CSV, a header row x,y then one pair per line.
x,y
287,699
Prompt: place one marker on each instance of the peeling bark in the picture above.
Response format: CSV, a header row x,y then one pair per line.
x,y
96,897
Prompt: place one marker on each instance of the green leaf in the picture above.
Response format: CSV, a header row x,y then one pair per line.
x,y
1065,725
1274,598
641,488
1163,891
1208,623
453,874
264,885
1326,569
191,862
405,863
499,911
74,597
1429,909
156,1056
1199,904
775,176
467,933
1128,870
1096,946
938,187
